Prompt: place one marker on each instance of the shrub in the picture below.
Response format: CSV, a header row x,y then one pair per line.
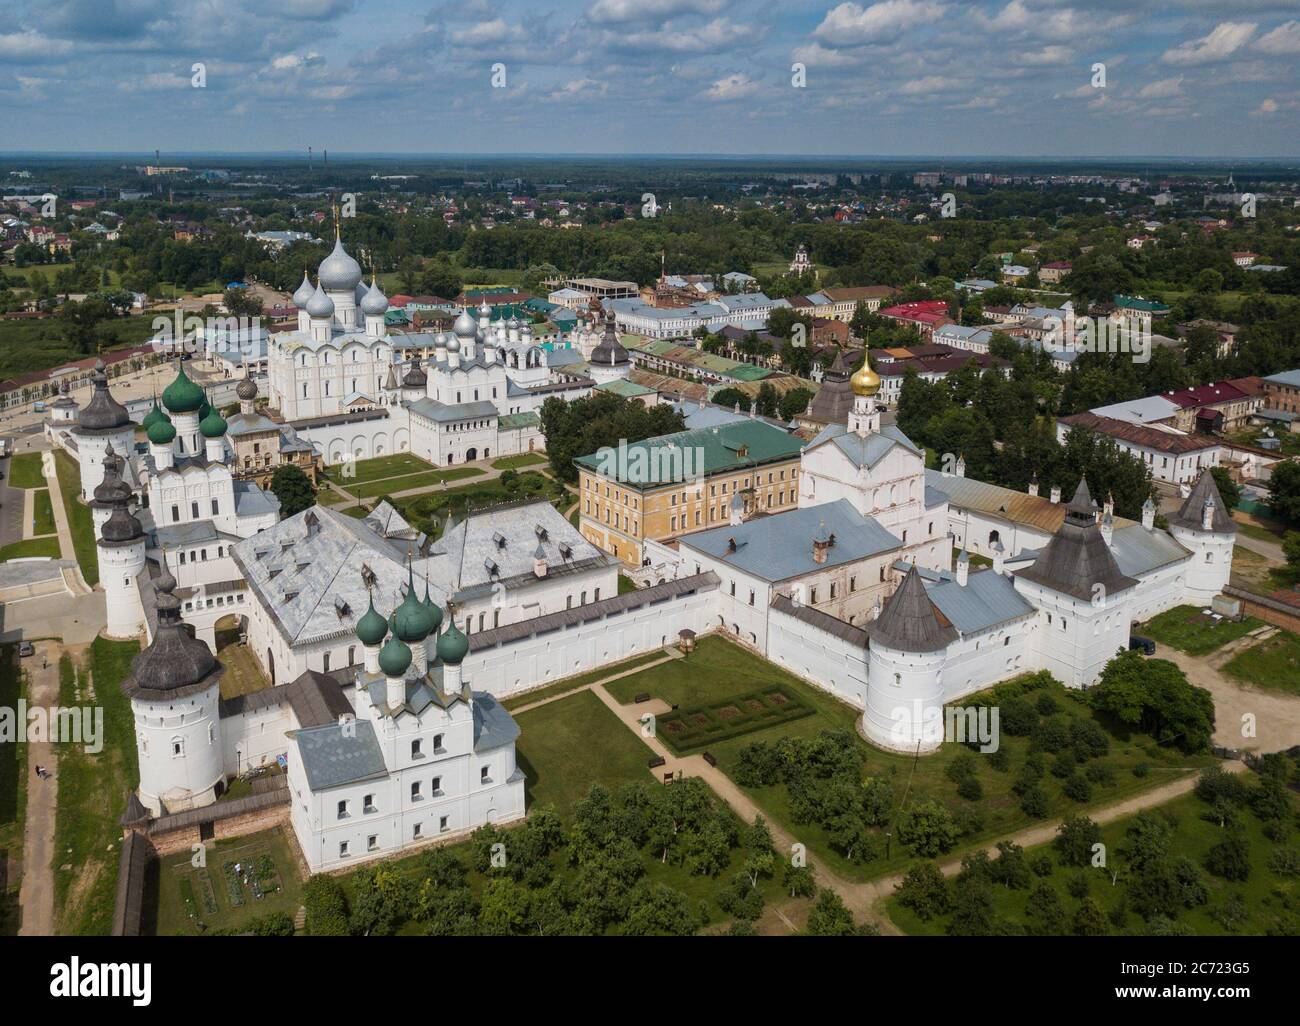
x,y
1033,802
1052,734
925,891
1141,769
961,767
928,829
1075,839
1000,760
1077,788
1046,704
1063,764
1088,740
1100,773
1041,864
1077,886
1017,717
326,905
971,789
1230,858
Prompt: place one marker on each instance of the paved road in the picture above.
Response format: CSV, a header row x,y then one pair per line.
x,y
36,895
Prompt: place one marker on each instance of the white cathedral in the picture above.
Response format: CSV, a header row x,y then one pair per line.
x,y
358,391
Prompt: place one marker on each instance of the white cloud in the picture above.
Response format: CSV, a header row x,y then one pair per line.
x,y
1163,89
579,87
850,23
733,87
1053,23
488,33
289,61
718,34
1227,38
613,12
1267,106
31,46
1285,39
927,85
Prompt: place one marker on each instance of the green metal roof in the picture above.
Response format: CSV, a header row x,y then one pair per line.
x,y
1133,303
627,389
683,455
511,421
736,370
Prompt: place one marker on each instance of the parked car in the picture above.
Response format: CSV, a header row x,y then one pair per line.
x,y
1144,645
26,649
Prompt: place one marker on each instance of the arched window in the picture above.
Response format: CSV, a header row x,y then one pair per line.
x,y
993,537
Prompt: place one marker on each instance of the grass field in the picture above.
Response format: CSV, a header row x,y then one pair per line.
x,y
1189,630
30,547
718,669
13,791
212,895
243,676
42,513
360,471
1264,892
408,482
524,459
566,746
92,793
25,470
1272,665
580,680
428,511
79,519
42,344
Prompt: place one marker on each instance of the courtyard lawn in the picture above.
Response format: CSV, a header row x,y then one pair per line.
x,y
26,470
625,584
1191,630
13,792
719,669
328,497
566,746
42,513
29,548
408,482
561,687
1272,665
1264,892
215,896
524,459
79,520
361,471
92,792
243,676
428,512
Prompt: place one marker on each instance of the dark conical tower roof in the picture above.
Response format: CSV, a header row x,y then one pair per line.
x,y
103,414
176,664
1192,509
907,622
609,352
834,400
1077,559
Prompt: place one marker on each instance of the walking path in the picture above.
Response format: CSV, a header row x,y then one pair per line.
x,y
66,550
36,896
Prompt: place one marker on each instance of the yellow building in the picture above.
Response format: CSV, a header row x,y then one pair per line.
x,y
688,481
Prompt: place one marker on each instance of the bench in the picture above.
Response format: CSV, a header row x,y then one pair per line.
x,y
643,697
657,761
708,757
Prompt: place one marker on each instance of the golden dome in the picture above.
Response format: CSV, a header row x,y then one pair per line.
x,y
865,381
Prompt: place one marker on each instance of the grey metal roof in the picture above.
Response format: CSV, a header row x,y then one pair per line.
x,y
934,497
445,413
779,547
822,621
907,621
1190,513
864,451
1138,551
193,533
241,424
987,600
251,501
332,759
493,725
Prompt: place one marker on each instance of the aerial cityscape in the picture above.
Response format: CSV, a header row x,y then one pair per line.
x,y
606,505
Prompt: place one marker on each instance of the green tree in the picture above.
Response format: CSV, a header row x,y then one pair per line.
x,y
829,917
1044,912
925,891
293,488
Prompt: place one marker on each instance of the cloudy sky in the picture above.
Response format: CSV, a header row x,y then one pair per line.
x,y
1215,78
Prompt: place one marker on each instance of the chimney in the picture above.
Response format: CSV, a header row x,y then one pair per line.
x,y
1107,528
1149,515
1207,514
1033,485
1056,495
822,541
539,562
1108,509
961,465
963,568
999,553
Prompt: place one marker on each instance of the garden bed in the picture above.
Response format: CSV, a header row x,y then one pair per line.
x,y
688,729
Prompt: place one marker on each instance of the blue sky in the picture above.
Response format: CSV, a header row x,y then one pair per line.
x,y
1183,77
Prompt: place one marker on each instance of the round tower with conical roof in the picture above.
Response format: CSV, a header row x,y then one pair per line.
x,y
174,688
1204,526
103,422
120,546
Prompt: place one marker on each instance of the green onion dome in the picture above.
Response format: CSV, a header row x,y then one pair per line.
x,y
412,618
433,609
394,658
183,395
213,425
372,627
453,646
153,416
161,432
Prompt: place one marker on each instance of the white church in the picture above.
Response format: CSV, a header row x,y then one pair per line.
x,y
356,390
